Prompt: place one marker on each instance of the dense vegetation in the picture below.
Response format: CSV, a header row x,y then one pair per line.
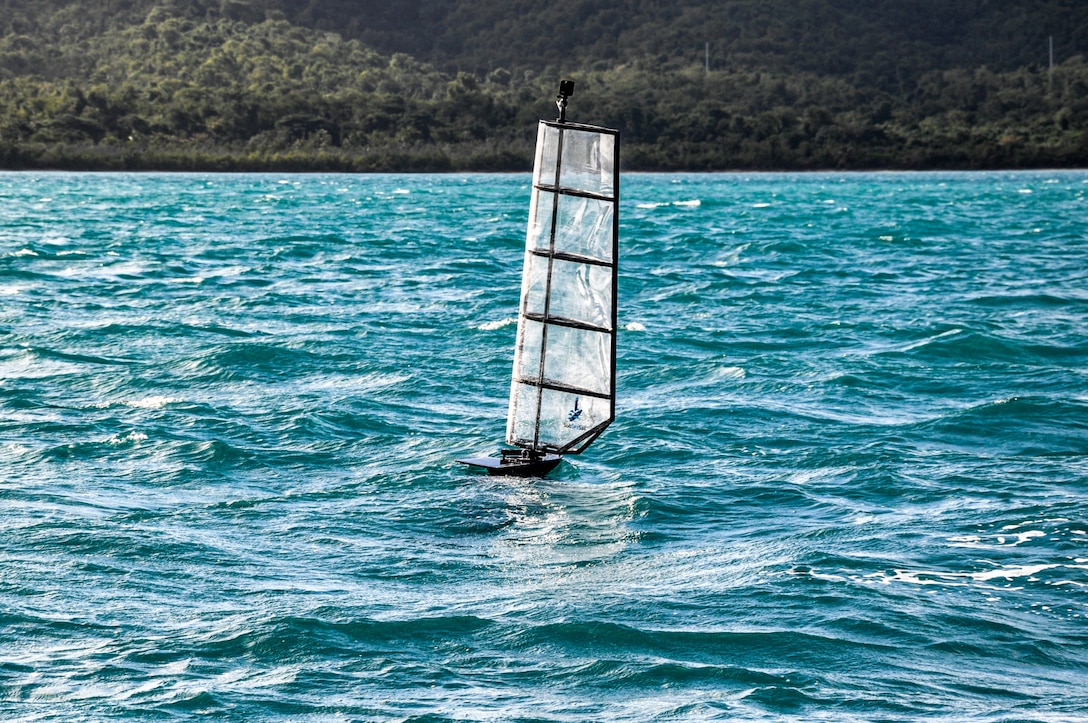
x,y
458,84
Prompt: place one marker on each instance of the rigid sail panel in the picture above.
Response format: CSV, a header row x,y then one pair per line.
x,y
527,362
582,293
588,162
563,417
547,154
579,292
584,226
563,390
579,359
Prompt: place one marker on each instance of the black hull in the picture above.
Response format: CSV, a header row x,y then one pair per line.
x,y
521,465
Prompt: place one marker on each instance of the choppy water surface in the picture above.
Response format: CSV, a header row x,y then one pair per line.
x,y
848,479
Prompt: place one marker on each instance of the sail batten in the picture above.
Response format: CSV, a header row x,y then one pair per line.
x,y
563,384
566,256
571,191
558,387
569,323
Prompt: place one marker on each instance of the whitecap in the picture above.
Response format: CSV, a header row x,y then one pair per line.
x,y
1021,538
731,258
1008,573
124,268
921,577
493,325
152,402
806,476
966,541
911,346
634,326
228,271
141,689
649,205
130,438
17,449
962,579
730,373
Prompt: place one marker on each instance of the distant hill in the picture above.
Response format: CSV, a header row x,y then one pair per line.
x,y
882,42
458,84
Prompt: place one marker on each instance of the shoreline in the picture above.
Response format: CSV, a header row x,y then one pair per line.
x,y
489,172
636,157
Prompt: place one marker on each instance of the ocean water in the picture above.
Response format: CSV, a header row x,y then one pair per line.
x,y
848,480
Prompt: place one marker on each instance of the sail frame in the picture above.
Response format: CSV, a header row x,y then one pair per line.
x,y
568,299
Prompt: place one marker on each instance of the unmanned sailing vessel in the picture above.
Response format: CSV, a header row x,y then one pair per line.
x,y
563,391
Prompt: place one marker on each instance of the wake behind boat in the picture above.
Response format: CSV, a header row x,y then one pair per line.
x,y
563,386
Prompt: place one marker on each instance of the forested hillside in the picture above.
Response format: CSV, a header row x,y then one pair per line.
x,y
459,84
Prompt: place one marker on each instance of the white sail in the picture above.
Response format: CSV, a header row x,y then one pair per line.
x,y
563,391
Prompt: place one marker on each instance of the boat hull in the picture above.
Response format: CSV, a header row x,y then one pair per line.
x,y
516,466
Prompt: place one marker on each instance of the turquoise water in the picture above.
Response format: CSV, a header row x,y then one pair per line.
x,y
848,480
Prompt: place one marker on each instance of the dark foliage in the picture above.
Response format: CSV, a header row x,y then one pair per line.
x,y
363,85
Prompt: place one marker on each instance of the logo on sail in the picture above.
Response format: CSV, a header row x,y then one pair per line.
x,y
574,416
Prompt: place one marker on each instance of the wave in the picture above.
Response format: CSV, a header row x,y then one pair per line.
x,y
1019,426
76,358
154,401
296,638
723,645
1032,300
494,325
961,346
650,205
247,360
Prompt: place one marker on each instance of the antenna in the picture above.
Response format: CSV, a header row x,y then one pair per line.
x,y
566,90
1050,70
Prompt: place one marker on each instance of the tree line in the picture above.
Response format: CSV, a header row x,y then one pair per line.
x,y
235,85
